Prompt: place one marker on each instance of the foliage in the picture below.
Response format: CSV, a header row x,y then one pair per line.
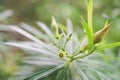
x,y
62,56
10,65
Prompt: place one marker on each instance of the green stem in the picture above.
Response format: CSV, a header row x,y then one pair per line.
x,y
77,53
87,54
82,56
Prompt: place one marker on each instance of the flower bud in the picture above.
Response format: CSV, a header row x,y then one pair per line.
x,y
54,25
99,35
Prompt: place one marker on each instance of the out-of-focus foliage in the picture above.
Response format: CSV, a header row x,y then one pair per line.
x,y
10,61
32,10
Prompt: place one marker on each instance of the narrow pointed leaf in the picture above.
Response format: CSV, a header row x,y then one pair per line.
x,y
90,11
108,46
24,33
63,73
45,28
88,32
34,31
69,27
23,46
43,73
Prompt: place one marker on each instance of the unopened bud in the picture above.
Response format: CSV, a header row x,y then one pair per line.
x,y
54,25
99,36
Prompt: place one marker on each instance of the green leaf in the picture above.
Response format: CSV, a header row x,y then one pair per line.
x,y
88,31
43,72
88,26
90,11
108,46
63,73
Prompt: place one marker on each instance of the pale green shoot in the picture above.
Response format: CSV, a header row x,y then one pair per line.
x,y
90,11
108,46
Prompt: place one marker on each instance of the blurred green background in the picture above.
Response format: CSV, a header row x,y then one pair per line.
x,y
42,10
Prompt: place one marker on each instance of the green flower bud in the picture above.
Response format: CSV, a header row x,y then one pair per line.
x,y
54,26
99,35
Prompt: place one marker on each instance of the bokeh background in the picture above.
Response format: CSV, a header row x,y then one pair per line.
x,y
29,11
42,10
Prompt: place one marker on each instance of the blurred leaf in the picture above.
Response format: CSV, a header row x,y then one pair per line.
x,y
106,22
43,73
45,28
103,47
90,11
88,32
